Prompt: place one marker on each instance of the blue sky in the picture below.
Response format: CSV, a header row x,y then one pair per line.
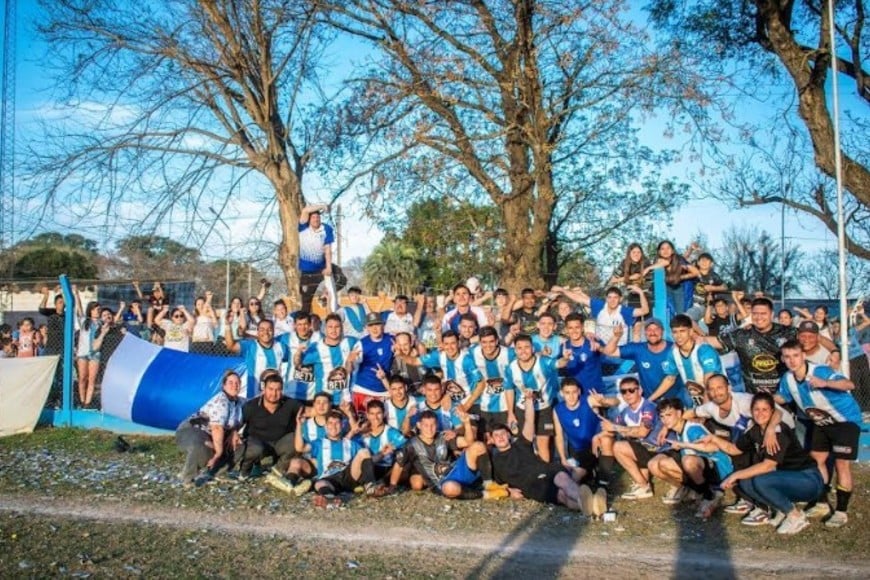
x,y
708,216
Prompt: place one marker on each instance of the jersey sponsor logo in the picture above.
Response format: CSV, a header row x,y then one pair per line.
x,y
454,391
495,386
645,365
337,380
334,468
764,362
696,392
576,422
819,417
304,374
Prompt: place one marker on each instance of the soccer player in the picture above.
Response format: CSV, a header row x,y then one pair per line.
x,y
399,407
328,359
700,471
694,361
371,354
823,395
575,425
380,439
260,355
451,362
610,313
582,356
494,401
533,373
653,360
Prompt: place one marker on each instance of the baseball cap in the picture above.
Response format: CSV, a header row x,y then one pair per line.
x,y
655,321
808,326
373,318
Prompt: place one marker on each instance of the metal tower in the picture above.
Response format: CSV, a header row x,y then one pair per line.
x,y
7,136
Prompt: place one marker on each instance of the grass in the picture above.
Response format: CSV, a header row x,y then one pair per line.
x,y
66,464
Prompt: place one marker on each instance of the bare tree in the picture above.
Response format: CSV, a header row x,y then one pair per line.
x,y
751,260
819,273
173,103
751,45
528,104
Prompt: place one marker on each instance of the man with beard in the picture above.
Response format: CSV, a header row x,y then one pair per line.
x,y
261,354
757,347
456,366
491,359
371,356
655,365
268,421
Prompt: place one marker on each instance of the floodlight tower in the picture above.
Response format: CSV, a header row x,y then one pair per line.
x,y
7,136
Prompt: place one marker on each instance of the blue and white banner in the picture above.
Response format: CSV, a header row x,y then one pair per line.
x,y
160,387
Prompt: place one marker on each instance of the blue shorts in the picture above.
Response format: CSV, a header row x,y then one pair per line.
x,y
461,473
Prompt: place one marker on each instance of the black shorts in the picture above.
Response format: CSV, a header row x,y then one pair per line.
x,y
341,481
644,453
489,420
585,459
382,471
543,421
841,439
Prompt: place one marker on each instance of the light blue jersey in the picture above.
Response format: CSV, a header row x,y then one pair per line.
x,y
494,397
822,406
694,432
395,416
702,360
298,382
332,457
259,358
330,376
375,443
459,377
550,347
541,377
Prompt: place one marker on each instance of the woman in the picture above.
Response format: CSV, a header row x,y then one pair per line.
x,y
211,436
233,317
632,270
177,329
776,481
87,353
252,317
429,323
820,317
204,325
677,269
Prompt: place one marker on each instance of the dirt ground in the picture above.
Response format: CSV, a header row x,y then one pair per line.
x,y
72,506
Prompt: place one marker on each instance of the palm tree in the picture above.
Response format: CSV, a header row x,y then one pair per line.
x,y
392,267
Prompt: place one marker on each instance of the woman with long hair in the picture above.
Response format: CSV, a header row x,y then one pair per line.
x,y
204,325
252,316
676,269
87,355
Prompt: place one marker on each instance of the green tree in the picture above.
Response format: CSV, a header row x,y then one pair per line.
x,y
392,268
50,254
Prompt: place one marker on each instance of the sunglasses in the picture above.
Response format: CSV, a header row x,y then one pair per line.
x,y
253,303
177,316
626,391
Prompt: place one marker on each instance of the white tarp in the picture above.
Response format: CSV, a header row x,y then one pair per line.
x,y
24,386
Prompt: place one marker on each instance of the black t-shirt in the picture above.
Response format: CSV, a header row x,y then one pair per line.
x,y
54,340
791,456
528,321
266,426
711,278
719,326
760,363
520,468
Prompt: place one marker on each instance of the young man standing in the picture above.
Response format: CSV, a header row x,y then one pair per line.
x,y
823,396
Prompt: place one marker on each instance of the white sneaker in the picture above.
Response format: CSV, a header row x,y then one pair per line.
x,y
708,506
599,502
279,483
741,506
838,520
793,524
757,517
819,510
776,520
638,492
675,495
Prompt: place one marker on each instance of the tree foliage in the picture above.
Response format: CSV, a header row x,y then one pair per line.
x,y
528,106
820,275
50,254
392,268
170,104
753,45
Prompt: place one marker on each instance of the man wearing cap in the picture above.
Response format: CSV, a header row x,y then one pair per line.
x,y
653,359
808,337
372,356
315,254
399,320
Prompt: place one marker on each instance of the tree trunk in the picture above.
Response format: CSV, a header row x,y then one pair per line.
x,y
524,238
288,192
809,79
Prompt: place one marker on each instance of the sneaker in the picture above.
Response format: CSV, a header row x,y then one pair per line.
x,y
793,524
302,487
741,506
599,502
376,490
675,495
638,492
327,501
757,517
280,483
819,510
276,472
586,501
837,520
708,506
490,486
776,520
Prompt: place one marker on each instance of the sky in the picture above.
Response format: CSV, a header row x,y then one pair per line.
x,y
707,216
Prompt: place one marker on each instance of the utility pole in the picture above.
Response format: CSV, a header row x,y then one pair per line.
x,y
338,236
